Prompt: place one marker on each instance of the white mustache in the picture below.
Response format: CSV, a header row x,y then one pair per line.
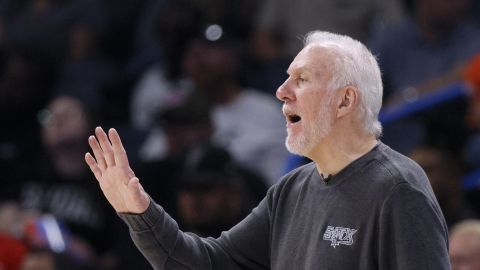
x,y
288,111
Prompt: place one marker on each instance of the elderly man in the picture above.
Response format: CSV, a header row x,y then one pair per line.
x,y
358,205
465,245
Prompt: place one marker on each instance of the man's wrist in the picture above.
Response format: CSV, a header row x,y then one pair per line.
x,y
145,220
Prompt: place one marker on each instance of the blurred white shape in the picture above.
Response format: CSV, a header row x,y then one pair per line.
x,y
213,32
53,233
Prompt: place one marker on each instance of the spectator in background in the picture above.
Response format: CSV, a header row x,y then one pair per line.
x,y
465,245
38,39
445,176
232,16
433,41
85,71
246,122
425,52
173,25
265,60
214,193
44,26
188,133
59,185
64,120
349,17
25,83
185,125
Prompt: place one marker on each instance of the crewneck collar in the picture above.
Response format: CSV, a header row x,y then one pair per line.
x,y
354,166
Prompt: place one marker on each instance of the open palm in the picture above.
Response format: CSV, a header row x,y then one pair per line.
x,y
117,180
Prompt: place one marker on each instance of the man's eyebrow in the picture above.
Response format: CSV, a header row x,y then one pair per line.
x,y
296,70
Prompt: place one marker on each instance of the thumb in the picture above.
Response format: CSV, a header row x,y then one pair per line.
x,y
141,199
134,186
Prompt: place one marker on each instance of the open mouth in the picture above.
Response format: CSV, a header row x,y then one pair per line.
x,y
294,118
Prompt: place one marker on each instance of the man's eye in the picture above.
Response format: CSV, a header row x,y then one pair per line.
x,y
301,80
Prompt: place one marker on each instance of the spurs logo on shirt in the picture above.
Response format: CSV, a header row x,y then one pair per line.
x,y
339,236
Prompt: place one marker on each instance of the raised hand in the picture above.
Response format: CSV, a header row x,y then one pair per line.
x,y
110,166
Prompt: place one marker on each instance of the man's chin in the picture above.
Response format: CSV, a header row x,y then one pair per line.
x,y
295,147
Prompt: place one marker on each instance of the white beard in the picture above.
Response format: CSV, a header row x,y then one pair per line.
x,y
312,135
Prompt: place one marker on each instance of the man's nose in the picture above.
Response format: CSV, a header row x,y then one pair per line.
x,y
284,92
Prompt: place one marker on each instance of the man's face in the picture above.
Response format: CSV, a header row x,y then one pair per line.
x,y
465,252
308,99
65,127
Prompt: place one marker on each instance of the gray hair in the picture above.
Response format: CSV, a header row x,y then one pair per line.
x,y
468,226
354,65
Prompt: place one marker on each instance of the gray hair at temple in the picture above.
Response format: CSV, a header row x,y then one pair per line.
x,y
355,66
469,227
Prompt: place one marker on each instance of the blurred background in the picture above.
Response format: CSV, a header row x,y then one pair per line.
x,y
189,85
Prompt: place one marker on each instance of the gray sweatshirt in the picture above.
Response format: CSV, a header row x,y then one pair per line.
x,y
377,213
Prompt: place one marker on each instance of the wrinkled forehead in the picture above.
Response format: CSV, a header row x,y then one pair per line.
x,y
314,59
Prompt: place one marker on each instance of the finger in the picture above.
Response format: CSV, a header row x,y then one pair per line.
x,y
93,166
97,152
119,152
106,146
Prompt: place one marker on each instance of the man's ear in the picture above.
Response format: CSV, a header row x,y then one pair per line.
x,y
347,100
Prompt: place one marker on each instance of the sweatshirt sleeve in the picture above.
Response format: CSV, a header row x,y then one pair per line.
x,y
159,239
413,234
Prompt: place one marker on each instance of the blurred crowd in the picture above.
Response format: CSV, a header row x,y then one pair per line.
x,y
189,85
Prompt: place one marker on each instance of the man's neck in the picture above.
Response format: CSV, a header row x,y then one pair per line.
x,y
337,152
